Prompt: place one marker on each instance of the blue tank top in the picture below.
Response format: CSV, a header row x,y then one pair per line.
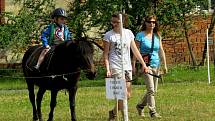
x,y
145,48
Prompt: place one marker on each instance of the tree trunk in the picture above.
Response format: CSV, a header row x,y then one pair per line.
x,y
194,63
210,30
2,10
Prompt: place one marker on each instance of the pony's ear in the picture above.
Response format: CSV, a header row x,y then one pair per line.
x,y
76,41
97,44
70,42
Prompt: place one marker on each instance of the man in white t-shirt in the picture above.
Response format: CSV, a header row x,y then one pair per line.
x,y
113,56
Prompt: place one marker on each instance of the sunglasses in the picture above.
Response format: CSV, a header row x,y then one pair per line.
x,y
115,22
153,22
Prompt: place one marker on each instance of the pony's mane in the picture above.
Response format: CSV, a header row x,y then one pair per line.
x,y
85,46
82,45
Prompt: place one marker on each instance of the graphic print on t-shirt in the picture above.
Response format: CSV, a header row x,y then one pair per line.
x,y
118,47
58,33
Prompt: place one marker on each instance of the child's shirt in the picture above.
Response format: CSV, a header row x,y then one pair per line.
x,y
53,35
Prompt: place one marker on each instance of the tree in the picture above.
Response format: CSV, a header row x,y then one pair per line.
x,y
16,33
182,14
210,31
97,13
175,16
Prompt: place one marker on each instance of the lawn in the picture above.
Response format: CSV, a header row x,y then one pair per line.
x,y
175,102
185,95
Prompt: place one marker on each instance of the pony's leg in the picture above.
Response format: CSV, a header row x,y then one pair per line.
x,y
40,94
72,93
52,104
32,99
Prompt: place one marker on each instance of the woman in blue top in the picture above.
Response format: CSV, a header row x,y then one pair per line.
x,y
55,33
149,42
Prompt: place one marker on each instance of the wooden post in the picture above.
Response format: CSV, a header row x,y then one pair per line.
x,y
2,9
209,5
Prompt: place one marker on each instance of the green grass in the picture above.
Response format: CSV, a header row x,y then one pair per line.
x,y
176,74
188,74
185,95
175,102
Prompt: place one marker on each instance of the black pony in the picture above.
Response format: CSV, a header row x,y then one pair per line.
x,y
60,70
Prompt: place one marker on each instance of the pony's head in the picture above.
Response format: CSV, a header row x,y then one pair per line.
x,y
85,57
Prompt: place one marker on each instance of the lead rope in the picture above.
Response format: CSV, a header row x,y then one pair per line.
x,y
48,76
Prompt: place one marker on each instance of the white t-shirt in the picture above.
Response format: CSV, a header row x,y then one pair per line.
x,y
115,55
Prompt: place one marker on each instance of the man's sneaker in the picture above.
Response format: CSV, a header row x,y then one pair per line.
x,y
140,110
155,115
112,116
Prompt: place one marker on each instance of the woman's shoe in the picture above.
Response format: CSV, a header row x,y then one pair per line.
x,y
140,110
155,115
112,116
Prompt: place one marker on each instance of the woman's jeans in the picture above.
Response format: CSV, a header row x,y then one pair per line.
x,y
151,85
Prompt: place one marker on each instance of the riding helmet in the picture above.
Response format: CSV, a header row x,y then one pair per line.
x,y
59,12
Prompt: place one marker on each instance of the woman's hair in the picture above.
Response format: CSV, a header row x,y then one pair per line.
x,y
148,18
124,18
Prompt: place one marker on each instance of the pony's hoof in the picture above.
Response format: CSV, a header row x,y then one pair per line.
x,y
35,118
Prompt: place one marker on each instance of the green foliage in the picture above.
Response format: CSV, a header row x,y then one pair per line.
x,y
97,13
20,29
173,14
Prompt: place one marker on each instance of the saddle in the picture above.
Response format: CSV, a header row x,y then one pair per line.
x,y
33,58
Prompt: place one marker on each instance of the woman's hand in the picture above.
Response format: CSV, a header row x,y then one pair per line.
x,y
145,69
108,73
165,70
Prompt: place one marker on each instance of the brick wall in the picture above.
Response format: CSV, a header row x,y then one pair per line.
x,y
177,49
